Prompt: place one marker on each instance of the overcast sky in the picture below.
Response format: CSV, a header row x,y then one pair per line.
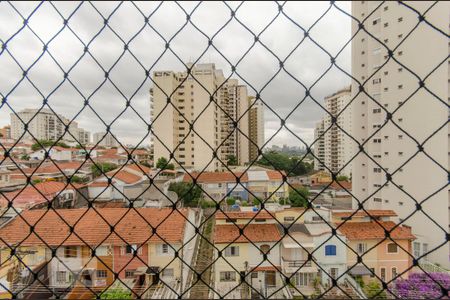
x,y
306,63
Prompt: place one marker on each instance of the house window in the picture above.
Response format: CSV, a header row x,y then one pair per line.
x,y
168,272
394,272
400,19
228,276
232,251
425,249
264,249
164,249
416,249
383,274
392,248
330,250
61,276
70,251
372,272
361,248
289,219
101,274
230,220
129,273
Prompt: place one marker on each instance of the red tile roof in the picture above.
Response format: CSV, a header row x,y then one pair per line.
x,y
40,193
130,226
266,268
243,215
124,176
253,232
275,175
140,169
370,212
373,230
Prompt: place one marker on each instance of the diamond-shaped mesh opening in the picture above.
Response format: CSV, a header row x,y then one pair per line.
x,y
163,150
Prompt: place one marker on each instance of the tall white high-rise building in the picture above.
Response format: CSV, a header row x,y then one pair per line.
x,y
42,125
421,184
104,139
255,127
191,104
336,148
319,146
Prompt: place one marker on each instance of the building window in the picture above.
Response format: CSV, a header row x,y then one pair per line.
x,y
265,249
386,24
376,199
400,19
230,220
400,86
383,274
376,21
61,276
289,219
392,248
70,251
163,249
376,80
416,249
400,36
228,276
129,273
386,8
394,272
400,203
425,249
400,53
232,251
372,272
167,273
361,248
101,274
330,250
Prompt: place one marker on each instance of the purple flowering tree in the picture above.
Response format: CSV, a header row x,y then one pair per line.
x,y
421,286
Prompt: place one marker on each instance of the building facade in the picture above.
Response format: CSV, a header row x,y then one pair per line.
x,y
104,139
390,110
42,125
319,147
200,118
255,127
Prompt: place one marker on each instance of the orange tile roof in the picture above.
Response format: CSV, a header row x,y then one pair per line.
x,y
341,185
41,192
130,226
124,176
266,268
370,212
138,168
215,177
275,175
373,230
242,215
253,233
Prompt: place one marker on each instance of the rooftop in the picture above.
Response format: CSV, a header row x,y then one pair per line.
x,y
374,230
251,233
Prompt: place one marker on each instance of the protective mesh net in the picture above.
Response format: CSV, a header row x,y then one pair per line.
x,y
95,248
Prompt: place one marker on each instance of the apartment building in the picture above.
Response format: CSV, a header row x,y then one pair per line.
x,y
200,118
390,97
335,148
104,139
255,127
42,124
84,136
319,146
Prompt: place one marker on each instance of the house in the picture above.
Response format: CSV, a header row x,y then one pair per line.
x,y
56,171
254,254
39,195
261,184
138,249
382,256
111,185
338,216
56,153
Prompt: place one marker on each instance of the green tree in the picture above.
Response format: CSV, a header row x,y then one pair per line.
x,y
299,197
101,168
293,166
231,201
163,164
78,179
25,157
373,290
342,178
232,160
47,143
187,192
116,294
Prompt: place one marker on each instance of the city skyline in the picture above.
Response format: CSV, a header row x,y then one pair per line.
x,y
307,63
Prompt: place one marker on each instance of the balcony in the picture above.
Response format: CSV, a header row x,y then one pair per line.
x,y
290,266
